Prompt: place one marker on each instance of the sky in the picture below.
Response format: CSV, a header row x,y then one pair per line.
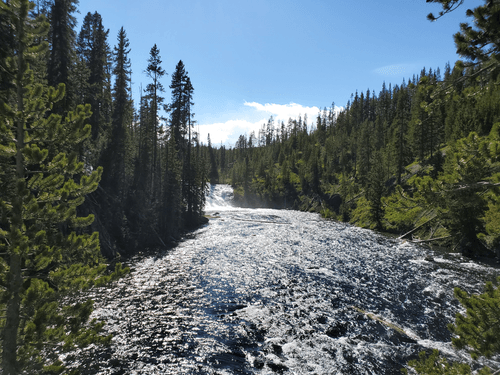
x,y
249,60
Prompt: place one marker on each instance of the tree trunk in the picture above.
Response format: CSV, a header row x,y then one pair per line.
x,y
9,355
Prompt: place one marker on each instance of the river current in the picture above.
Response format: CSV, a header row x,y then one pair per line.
x,y
261,291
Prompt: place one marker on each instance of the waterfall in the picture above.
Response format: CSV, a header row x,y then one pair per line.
x,y
219,197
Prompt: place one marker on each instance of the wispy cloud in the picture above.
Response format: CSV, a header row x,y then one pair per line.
x,y
394,70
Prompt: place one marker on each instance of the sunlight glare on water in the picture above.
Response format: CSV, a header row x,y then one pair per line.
x,y
260,291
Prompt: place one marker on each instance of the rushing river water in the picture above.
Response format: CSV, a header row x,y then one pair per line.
x,y
260,291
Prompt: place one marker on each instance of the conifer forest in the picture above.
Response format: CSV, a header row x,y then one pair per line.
x,y
88,175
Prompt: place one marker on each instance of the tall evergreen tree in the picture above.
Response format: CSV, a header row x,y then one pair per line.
x,y
62,50
155,72
117,156
375,189
400,126
172,208
117,152
42,257
144,207
94,52
180,107
181,125
6,49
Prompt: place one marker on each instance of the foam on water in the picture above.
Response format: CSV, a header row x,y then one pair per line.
x,y
219,198
262,291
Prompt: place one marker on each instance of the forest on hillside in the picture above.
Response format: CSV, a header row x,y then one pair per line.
x,y
420,159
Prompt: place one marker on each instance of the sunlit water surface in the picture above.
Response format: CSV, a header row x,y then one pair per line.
x,y
259,291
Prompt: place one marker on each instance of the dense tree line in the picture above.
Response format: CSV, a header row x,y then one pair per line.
x,y
154,178
391,160
82,174
419,158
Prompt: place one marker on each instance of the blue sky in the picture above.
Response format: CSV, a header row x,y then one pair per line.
x,y
249,60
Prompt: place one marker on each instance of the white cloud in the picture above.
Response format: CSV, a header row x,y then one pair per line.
x,y
282,112
228,132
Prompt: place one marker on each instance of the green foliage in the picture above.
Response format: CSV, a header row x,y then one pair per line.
x,y
492,222
61,57
449,191
478,331
44,254
436,365
448,6
479,43
403,211
459,192
361,214
93,54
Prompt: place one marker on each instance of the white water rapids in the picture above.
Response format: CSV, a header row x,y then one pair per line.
x,y
260,291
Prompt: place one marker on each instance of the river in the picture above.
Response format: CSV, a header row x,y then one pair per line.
x,y
261,291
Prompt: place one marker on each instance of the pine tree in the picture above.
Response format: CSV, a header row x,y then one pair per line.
x,y
181,124
116,153
42,256
144,161
180,106
375,189
94,52
62,50
481,43
478,331
478,44
364,151
199,188
171,208
400,126
6,49
459,194
117,156
155,72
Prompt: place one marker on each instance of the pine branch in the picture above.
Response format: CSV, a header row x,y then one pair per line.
x,y
447,9
448,88
433,230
